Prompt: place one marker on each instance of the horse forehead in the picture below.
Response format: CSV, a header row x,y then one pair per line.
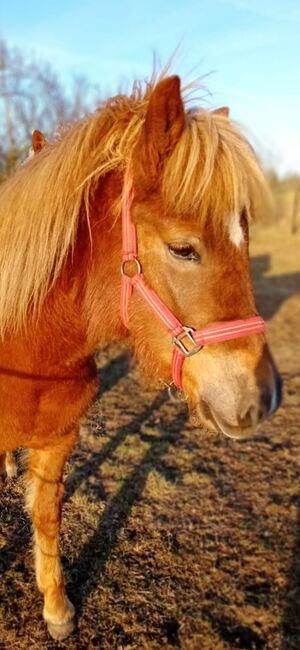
x,y
208,231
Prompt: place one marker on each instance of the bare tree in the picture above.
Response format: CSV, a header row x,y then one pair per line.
x,y
32,96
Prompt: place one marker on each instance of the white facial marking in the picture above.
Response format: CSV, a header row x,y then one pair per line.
x,y
236,234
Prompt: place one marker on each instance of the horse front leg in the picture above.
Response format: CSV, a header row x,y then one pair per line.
x,y
44,497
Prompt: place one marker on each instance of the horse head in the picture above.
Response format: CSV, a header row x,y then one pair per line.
x,y
195,180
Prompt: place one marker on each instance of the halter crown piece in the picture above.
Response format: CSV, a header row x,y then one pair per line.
x,y
186,340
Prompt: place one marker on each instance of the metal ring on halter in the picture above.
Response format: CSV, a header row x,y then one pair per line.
x,y
138,267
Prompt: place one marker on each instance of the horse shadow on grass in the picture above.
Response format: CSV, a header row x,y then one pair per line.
x,y
83,574
96,552
271,291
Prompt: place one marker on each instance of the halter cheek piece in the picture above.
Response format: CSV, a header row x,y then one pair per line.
x,y
186,340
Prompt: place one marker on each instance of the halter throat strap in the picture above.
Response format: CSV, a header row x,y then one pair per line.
x,y
186,340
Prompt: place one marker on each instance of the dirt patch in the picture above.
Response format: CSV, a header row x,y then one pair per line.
x,y
173,538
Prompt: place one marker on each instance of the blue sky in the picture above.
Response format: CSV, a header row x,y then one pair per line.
x,y
250,50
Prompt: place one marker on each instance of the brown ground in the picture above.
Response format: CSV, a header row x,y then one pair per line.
x,y
173,538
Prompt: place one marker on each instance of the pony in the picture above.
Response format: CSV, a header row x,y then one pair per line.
x,y
189,183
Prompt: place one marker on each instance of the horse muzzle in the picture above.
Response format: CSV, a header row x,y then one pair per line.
x,y
238,412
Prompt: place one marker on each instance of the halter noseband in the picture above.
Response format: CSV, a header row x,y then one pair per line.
x,y
186,340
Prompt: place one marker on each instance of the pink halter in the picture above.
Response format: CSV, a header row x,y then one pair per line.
x,y
186,340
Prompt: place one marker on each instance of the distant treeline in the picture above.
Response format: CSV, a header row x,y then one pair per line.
x,y
33,97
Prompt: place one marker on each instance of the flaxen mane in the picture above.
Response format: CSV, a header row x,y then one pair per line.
x,y
212,166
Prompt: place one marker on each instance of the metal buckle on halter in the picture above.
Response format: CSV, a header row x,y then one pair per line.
x,y
138,267
187,332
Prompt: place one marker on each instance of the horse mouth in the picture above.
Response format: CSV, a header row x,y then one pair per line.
x,y
235,432
205,415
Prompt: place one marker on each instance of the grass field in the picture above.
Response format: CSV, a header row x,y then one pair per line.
x,y
171,537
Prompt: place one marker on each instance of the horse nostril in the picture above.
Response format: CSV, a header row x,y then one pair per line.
x,y
276,394
268,403
250,417
270,398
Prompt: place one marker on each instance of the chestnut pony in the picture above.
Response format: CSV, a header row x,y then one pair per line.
x,y
196,183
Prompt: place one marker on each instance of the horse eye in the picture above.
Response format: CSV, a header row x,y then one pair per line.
x,y
184,252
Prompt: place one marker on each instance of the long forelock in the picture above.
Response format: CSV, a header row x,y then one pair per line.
x,y
213,171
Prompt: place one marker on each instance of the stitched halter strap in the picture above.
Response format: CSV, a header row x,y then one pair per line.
x,y
186,340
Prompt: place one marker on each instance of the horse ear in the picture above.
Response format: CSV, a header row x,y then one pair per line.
x,y
164,124
223,110
38,141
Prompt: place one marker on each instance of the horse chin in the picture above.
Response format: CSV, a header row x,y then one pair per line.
x,y
235,432
203,415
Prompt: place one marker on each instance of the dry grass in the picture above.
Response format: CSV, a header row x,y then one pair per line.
x,y
171,537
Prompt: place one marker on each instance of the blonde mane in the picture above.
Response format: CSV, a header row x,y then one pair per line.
x,y
40,205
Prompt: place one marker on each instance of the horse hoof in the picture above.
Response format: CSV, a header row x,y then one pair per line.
x,y
60,632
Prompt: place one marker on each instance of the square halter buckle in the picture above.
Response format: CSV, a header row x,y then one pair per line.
x,y
187,332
